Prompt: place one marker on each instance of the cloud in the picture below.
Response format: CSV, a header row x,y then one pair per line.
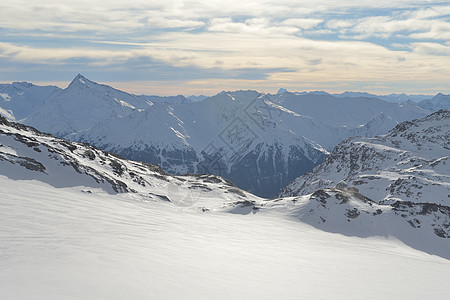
x,y
159,22
431,49
337,24
302,23
286,40
430,23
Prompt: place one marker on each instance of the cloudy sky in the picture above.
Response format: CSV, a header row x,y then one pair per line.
x,y
202,47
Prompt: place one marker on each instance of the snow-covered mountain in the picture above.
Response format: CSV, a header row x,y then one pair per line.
x,y
403,174
409,163
27,154
440,101
82,105
228,135
260,142
348,112
397,98
394,97
336,119
78,107
20,99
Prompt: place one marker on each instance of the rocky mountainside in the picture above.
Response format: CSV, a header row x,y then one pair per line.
x,y
27,154
404,174
409,163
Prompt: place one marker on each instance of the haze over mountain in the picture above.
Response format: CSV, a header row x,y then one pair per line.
x,y
260,142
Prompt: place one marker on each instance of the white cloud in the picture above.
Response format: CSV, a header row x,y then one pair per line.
x,y
416,24
431,12
159,22
337,24
258,34
302,23
431,49
438,31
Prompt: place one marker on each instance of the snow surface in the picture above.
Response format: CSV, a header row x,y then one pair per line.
x,y
80,223
61,243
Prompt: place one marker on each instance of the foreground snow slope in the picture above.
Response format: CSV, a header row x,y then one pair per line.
x,y
61,243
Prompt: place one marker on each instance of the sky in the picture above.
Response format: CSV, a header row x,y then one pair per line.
x,y
194,47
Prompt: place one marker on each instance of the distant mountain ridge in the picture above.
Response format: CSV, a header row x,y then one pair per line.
x,y
440,101
259,141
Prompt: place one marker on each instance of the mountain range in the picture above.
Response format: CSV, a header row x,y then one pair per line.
x,y
261,142
390,185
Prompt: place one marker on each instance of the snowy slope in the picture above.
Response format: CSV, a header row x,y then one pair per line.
x,y
20,99
409,163
350,112
82,105
77,222
440,101
65,244
26,154
382,184
423,226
